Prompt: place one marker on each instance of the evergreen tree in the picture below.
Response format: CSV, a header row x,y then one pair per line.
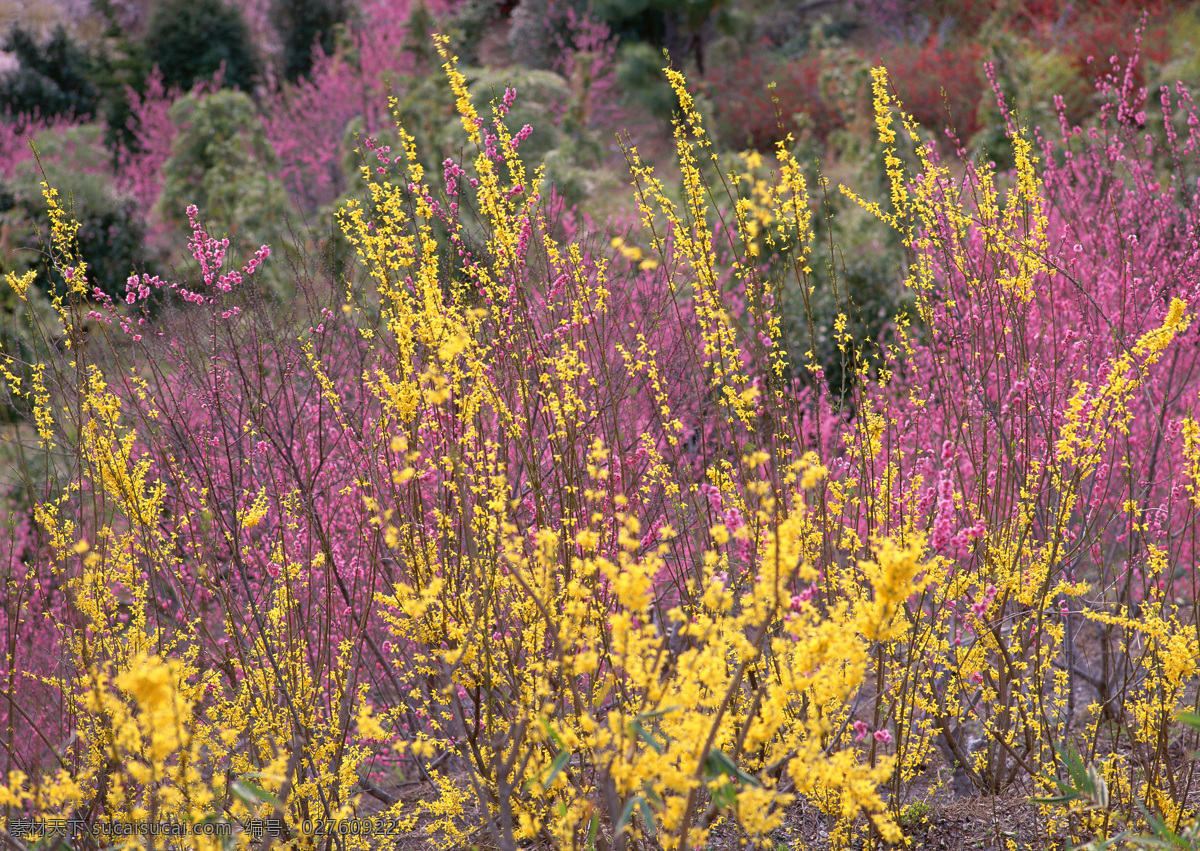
x,y
189,39
683,27
303,23
50,79
122,67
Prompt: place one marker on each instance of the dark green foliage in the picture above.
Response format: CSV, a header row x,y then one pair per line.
x,y
113,237
683,27
189,40
644,29
121,67
633,20
112,231
541,97
639,71
418,41
467,26
303,23
51,79
222,162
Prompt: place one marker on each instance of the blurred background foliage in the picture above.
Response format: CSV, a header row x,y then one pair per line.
x,y
53,77
112,232
222,162
764,72
191,40
305,26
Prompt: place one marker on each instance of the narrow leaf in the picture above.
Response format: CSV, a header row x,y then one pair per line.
x,y
593,826
251,795
626,815
1192,719
652,796
717,763
647,816
637,730
554,737
556,767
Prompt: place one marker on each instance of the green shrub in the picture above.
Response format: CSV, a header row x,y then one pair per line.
x,y
467,26
222,162
639,71
112,230
542,99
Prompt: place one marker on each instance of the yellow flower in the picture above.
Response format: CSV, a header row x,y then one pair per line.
x,y
893,580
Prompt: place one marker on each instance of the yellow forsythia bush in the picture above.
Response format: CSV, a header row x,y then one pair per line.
x,y
512,544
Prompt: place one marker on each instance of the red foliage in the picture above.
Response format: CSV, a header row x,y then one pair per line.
x,y
745,113
892,17
1041,17
941,86
1099,40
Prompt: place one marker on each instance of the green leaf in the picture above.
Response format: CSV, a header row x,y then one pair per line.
x,y
1192,719
638,731
554,737
652,796
725,796
1075,767
647,816
1164,837
626,815
748,779
593,827
252,795
556,767
1099,787
717,763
